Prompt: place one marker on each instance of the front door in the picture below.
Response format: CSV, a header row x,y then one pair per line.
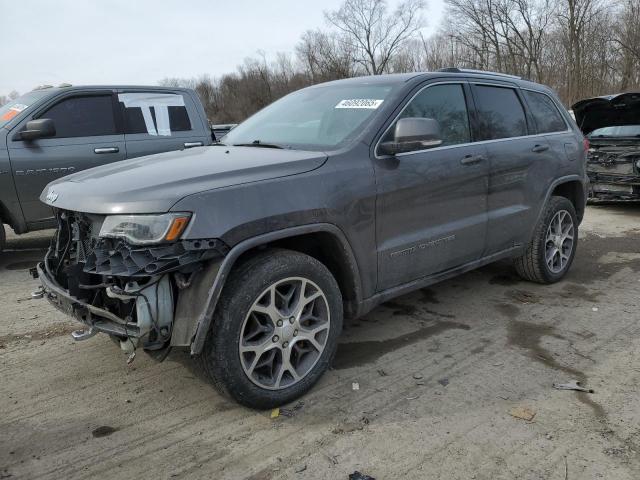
x,y
431,211
86,136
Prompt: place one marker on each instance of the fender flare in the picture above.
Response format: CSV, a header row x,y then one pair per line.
x,y
205,318
552,187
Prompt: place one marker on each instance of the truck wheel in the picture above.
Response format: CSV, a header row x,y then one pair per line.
x,y
275,330
553,246
3,237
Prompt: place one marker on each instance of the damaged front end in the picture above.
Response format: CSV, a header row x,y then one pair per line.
x,y
614,170
113,285
611,124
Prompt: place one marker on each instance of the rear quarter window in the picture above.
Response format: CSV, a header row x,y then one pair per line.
x,y
500,113
545,112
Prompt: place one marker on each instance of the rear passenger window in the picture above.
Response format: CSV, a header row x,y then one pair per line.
x,y
86,116
545,112
500,113
447,105
154,113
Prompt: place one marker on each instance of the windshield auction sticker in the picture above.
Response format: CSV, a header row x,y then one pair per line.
x,y
13,111
360,103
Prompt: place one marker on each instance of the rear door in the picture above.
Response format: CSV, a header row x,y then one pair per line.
x,y
87,135
431,205
160,121
517,160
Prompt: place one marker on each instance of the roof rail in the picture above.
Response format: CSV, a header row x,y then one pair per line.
x,y
481,72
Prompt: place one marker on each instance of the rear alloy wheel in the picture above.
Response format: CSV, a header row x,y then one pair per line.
x,y
275,330
559,241
553,246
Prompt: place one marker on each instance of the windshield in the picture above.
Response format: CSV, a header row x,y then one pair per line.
x,y
317,118
616,131
19,105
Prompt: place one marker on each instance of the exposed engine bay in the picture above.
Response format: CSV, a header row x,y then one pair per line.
x,y
612,126
127,291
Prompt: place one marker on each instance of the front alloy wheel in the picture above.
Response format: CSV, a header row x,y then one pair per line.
x,y
275,330
284,333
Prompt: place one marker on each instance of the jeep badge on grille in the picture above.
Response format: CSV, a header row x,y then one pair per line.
x,y
52,196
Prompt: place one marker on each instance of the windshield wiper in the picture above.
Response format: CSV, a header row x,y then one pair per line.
x,y
259,144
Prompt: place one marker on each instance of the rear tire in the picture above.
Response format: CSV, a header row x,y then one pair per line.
x,y
3,237
275,330
553,245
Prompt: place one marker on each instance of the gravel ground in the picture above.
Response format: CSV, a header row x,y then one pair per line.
x,y
443,374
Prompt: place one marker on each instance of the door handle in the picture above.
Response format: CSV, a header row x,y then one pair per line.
x,y
540,148
472,159
193,144
106,150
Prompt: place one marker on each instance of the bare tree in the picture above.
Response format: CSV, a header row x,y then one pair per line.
x,y
627,37
324,57
374,34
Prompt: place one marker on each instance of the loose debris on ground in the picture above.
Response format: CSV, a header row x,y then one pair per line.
x,y
523,413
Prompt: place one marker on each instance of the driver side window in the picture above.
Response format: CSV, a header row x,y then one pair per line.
x,y
446,104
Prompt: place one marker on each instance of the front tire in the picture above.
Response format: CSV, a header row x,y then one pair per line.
x,y
275,330
552,248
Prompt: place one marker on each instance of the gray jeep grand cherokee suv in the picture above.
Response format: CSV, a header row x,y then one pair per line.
x,y
324,204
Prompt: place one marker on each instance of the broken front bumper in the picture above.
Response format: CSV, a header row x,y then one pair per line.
x,y
620,187
97,319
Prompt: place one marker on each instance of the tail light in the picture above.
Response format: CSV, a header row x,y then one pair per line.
x,y
586,144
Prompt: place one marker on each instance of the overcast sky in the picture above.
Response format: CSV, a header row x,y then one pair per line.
x,y
143,41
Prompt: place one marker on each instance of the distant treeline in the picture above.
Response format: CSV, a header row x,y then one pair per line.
x,y
581,48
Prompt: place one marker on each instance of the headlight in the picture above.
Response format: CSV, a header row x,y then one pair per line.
x,y
145,229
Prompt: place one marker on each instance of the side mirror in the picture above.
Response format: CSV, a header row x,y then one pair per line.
x,y
40,128
412,134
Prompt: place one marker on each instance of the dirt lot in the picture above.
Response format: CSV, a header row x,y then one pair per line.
x,y
439,372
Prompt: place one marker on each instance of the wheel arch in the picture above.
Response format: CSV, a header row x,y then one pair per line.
x,y
572,190
571,187
323,241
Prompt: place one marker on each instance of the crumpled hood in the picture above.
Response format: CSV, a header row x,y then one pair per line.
x,y
155,183
606,111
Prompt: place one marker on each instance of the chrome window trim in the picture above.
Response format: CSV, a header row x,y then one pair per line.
x,y
459,145
480,142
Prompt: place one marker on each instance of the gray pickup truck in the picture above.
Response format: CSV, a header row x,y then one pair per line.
x,y
52,132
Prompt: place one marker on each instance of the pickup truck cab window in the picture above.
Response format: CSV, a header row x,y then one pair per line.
x,y
83,116
154,113
500,113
